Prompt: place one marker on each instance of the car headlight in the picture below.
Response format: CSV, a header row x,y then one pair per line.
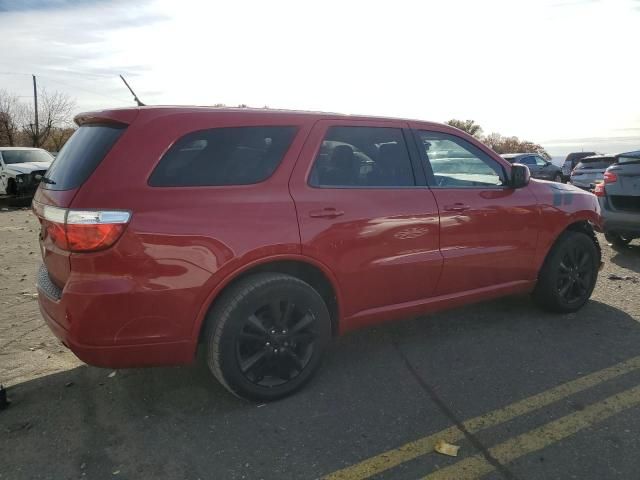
x,y
22,178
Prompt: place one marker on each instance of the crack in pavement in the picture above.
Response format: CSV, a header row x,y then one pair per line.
x,y
22,335
435,398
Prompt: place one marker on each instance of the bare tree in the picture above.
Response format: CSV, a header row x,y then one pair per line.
x,y
11,117
469,126
55,111
58,138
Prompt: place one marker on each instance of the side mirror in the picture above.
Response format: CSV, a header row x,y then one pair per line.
x,y
520,175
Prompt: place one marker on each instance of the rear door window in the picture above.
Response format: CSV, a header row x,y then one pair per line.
x,y
362,157
80,156
223,156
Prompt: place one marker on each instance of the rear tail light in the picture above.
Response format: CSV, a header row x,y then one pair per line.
x,y
610,177
599,190
82,230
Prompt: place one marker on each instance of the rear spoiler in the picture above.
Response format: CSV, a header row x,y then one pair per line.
x,y
122,117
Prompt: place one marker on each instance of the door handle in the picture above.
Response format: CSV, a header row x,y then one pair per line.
x,y
326,213
456,207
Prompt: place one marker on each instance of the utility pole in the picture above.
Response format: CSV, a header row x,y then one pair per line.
x,y
35,104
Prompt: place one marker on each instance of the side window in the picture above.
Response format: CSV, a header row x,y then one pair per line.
x,y
529,160
540,162
362,157
223,156
456,163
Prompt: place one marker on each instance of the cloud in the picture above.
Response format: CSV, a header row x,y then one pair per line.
x,y
70,47
463,59
23,5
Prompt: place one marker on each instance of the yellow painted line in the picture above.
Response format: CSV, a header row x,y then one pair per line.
x,y
392,458
539,438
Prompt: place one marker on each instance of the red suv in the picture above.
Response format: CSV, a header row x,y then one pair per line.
x,y
260,234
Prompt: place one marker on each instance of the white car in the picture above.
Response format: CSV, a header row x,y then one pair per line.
x,y
21,169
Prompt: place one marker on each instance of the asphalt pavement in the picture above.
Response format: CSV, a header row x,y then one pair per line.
x,y
524,393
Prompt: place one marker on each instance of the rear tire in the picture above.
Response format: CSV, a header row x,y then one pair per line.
x,y
265,337
617,240
557,178
569,273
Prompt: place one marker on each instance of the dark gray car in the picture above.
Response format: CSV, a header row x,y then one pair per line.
x,y
619,198
538,166
590,170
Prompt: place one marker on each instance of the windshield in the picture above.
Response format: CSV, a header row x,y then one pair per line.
x,y
23,156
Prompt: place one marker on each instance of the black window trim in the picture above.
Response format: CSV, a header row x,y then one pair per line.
x,y
297,129
428,171
420,181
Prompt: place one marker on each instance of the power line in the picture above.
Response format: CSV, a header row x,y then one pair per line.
x,y
15,73
76,87
84,89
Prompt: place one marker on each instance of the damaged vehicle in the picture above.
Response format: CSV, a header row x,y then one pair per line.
x,y
256,236
22,170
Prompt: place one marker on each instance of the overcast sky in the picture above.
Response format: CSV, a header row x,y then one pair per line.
x,y
563,73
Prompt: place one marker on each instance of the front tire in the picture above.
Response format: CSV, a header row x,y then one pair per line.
x,y
569,273
266,336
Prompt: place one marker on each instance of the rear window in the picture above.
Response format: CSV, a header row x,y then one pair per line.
x,y
81,155
630,159
598,163
223,156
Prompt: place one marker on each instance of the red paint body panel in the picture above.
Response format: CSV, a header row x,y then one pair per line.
x,y
393,253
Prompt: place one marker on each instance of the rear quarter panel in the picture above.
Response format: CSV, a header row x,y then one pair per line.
x,y
181,241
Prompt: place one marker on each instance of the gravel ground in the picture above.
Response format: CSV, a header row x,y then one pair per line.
x,y
72,421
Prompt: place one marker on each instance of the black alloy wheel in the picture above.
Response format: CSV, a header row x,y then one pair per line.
x,y
266,335
276,343
575,273
569,273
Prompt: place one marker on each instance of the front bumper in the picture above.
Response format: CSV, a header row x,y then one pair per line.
x,y
27,183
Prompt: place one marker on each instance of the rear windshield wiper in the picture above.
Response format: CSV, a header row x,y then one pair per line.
x,y
47,180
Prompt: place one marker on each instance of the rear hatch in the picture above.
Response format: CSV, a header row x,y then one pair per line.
x,y
591,169
623,184
78,159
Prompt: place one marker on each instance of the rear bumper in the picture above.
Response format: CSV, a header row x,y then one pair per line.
x,y
624,223
76,336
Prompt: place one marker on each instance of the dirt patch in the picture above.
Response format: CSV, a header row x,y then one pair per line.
x,y
27,348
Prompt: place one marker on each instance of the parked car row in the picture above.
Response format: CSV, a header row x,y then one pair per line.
x,y
539,167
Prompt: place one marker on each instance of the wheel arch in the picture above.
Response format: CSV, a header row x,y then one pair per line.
x,y
306,269
578,225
